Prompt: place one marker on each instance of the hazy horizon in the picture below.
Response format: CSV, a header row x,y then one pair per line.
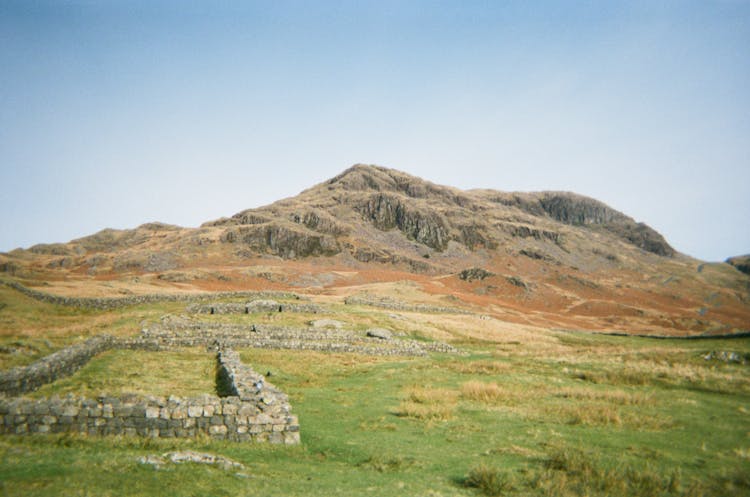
x,y
114,114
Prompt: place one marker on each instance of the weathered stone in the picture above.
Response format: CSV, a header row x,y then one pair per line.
x,y
217,430
152,412
380,333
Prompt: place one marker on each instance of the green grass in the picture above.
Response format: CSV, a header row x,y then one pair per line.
x,y
185,373
557,415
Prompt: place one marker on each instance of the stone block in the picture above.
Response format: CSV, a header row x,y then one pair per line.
x,y
208,411
123,411
217,420
152,412
217,430
247,410
276,438
70,411
291,438
195,411
262,419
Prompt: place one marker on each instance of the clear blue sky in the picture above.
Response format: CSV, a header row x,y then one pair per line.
x,y
116,113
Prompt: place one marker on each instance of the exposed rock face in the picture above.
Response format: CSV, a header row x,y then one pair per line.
x,y
741,262
369,214
387,212
279,240
474,273
577,210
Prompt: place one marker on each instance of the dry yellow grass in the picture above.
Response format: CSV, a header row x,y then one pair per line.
x,y
485,392
486,367
427,403
619,397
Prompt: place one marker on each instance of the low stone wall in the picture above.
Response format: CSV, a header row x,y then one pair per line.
x,y
228,418
108,303
395,305
251,307
57,365
181,332
252,410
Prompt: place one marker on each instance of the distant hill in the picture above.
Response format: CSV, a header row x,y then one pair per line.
x,y
555,258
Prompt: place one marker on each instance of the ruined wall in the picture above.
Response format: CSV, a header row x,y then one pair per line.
x,y
253,410
180,332
108,303
57,365
396,305
264,305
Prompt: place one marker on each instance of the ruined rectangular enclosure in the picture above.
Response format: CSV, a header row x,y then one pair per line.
x,y
246,407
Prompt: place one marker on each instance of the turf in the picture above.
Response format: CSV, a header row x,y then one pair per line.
x,y
524,414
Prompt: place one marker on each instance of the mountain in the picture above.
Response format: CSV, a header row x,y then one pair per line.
x,y
549,258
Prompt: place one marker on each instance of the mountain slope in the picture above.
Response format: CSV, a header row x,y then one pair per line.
x,y
549,258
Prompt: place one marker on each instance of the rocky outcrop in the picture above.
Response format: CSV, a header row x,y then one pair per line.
x,y
387,212
741,262
474,274
283,241
577,210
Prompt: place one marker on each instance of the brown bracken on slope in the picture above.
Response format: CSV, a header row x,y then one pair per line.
x,y
552,259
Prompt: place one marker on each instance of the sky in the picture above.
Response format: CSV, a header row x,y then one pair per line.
x,y
118,113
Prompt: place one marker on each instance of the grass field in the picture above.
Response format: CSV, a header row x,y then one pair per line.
x,y
525,413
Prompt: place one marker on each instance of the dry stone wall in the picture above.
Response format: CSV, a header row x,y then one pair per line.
x,y
395,305
252,410
175,331
263,305
57,365
108,303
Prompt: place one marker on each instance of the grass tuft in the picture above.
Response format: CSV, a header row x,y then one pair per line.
x,y
490,481
428,404
489,393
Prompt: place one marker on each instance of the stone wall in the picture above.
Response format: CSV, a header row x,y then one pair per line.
x,y
57,365
263,305
108,303
252,410
175,331
396,305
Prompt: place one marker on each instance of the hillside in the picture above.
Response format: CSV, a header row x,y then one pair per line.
x,y
550,259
